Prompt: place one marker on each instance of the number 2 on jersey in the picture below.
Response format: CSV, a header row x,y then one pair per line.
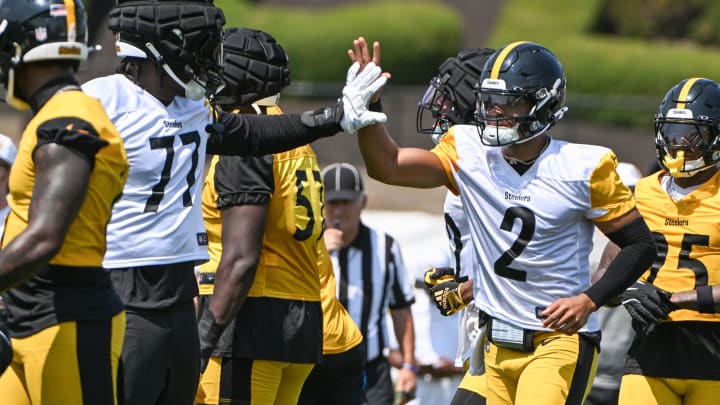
x,y
166,142
527,228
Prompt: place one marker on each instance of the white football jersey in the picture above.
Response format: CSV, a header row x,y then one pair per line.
x,y
158,219
532,233
458,230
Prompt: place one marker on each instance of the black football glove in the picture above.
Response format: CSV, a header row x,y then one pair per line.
x,y
438,275
210,332
646,304
6,352
447,297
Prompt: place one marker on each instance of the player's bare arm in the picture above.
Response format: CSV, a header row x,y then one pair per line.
x,y
61,184
690,299
385,161
242,235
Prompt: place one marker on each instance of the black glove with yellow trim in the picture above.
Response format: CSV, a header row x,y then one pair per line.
x,y
437,275
447,297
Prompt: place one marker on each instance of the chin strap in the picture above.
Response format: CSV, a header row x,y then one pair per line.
x,y
191,92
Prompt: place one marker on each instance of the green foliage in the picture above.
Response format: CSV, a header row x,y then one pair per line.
x,y
415,36
694,20
604,65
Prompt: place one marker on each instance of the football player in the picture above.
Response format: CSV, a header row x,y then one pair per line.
x,y
264,219
531,202
63,315
450,101
675,357
172,60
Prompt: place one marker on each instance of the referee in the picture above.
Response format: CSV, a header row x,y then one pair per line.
x,y
371,278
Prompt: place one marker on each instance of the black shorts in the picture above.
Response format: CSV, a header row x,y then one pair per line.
x,y
279,330
161,357
379,388
337,380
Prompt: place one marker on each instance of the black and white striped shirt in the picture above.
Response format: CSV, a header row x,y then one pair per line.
x,y
371,278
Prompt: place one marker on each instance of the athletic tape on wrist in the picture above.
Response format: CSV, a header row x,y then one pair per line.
x,y
705,301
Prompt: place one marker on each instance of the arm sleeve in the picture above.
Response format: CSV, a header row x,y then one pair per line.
x,y
257,135
637,254
244,181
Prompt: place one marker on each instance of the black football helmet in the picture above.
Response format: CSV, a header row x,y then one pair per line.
x,y
255,69
36,31
688,123
450,98
522,82
183,37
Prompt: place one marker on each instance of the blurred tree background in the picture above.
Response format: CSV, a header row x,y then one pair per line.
x,y
620,55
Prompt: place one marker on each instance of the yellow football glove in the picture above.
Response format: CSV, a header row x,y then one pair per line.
x,y
447,297
435,276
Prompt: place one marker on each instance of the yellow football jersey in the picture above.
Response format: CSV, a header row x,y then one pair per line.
x,y
74,285
687,234
340,333
290,183
84,244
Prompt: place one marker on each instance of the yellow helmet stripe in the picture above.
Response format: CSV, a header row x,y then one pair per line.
x,y
70,20
495,71
685,91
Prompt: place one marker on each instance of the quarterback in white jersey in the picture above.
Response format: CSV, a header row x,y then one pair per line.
x,y
531,203
539,247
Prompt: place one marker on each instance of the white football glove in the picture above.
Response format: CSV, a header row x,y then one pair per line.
x,y
357,92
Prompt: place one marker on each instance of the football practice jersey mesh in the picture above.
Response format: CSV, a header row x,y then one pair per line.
x,y
687,235
532,233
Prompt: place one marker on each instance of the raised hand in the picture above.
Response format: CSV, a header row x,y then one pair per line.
x,y
361,54
364,82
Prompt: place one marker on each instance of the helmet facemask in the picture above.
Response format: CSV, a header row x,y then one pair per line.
x,y
200,78
511,116
436,111
519,73
450,98
10,57
686,146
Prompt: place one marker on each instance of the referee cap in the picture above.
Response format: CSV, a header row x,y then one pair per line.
x,y
342,181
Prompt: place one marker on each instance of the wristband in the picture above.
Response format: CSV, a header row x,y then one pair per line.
x,y
410,367
705,301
